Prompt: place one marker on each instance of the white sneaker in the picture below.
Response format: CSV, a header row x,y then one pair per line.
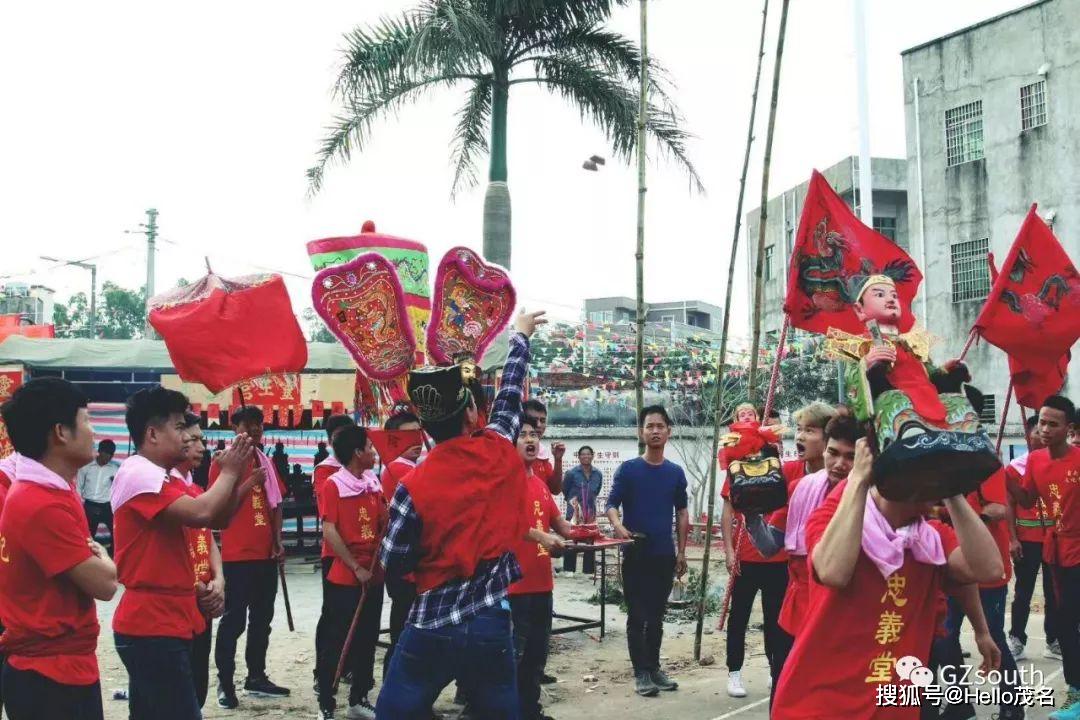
x,y
1053,651
1016,647
569,573
734,684
363,710
770,682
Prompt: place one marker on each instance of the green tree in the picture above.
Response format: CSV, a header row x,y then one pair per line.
x,y
490,46
316,328
121,314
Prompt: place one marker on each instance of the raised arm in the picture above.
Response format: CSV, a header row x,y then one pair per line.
x,y
833,559
505,418
213,509
767,539
977,559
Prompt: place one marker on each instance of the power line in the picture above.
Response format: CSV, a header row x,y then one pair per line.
x,y
31,273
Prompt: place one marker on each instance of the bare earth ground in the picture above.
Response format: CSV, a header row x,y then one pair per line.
x,y
575,657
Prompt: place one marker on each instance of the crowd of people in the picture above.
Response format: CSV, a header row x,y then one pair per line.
x,y
458,533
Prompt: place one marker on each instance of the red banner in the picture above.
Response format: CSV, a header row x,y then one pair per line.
x,y
280,391
11,378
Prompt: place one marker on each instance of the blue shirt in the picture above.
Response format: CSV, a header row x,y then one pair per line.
x,y
649,496
575,487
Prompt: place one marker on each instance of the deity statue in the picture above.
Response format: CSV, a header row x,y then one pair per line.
x,y
931,444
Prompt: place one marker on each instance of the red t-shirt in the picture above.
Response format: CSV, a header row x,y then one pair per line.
x,y
322,473
852,637
359,520
543,469
535,561
1057,482
393,474
42,536
1032,522
793,472
5,481
154,565
250,534
993,491
199,541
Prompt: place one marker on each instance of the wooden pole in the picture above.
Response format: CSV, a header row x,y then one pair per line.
x,y
285,590
721,360
1004,417
639,255
760,264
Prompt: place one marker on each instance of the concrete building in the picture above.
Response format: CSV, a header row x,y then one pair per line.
x,y
620,310
33,303
993,125
889,177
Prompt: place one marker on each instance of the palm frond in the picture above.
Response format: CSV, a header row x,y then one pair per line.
x,y
470,135
349,130
375,58
452,38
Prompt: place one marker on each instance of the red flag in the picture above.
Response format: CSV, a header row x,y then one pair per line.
x,y
220,331
391,443
834,254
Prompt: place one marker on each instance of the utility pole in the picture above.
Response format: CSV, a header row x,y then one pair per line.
x,y
639,255
93,287
151,238
866,192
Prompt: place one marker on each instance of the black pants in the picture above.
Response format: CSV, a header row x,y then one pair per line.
x,y
1067,583
1026,568
250,590
647,581
319,626
569,562
771,580
339,607
402,595
97,513
31,696
781,648
200,661
531,614
160,685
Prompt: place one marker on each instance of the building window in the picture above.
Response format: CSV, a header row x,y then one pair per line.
x,y
886,226
1033,105
970,273
964,134
609,316
768,262
988,414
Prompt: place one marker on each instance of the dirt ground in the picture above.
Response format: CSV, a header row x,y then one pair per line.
x,y
594,677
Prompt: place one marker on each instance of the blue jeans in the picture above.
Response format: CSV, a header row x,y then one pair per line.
x,y
160,682
478,653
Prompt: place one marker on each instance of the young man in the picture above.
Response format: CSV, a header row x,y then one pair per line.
x,y
581,486
876,567
94,483
454,523
531,596
251,550
354,518
548,467
651,491
1053,475
1028,533
402,590
206,559
50,571
159,612
754,571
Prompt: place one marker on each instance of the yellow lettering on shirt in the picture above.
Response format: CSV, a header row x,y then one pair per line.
x,y
3,550
895,589
257,502
881,668
200,546
890,625
260,520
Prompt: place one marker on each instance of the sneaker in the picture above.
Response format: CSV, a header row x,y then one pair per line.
x,y
662,681
644,685
569,573
770,682
262,687
1053,651
226,696
734,684
362,710
546,679
1016,647
325,714
1070,708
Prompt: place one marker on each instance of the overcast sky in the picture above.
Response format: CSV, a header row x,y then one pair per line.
x,y
211,112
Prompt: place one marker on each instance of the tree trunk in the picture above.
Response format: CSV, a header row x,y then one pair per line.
x,y
639,256
718,405
760,265
497,197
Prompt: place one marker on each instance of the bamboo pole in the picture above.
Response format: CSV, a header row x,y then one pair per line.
x,y
639,255
718,402
760,264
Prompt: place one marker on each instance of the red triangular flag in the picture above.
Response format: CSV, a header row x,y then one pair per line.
x,y
391,443
834,254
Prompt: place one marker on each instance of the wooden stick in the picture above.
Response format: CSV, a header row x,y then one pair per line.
x,y
775,370
967,345
731,580
1004,416
352,627
285,593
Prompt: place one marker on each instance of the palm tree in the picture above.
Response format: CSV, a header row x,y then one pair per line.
x,y
488,47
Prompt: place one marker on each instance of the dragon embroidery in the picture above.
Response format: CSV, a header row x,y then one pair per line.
x,y
1036,307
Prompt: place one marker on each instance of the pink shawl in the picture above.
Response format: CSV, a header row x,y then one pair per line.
x,y
28,470
349,485
808,496
187,479
1019,464
136,476
885,546
273,490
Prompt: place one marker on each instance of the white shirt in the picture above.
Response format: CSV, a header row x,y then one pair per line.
x,y
95,481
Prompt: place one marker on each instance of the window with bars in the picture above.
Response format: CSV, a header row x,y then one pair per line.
x,y
1033,105
886,226
964,134
970,273
769,251
988,414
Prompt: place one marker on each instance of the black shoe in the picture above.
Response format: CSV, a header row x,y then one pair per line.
x,y
262,687
325,714
644,685
662,681
226,696
546,679
347,678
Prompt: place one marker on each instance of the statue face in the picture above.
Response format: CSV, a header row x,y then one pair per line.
x,y
880,302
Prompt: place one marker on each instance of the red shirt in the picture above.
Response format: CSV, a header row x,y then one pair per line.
x,y
250,534
1032,522
1057,482
793,472
393,474
154,565
199,541
852,637
322,473
534,559
42,536
5,481
359,520
543,469
993,491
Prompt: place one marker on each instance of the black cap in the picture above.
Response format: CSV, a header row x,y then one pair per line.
x,y
438,393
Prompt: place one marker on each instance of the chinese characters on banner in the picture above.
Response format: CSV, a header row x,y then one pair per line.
x,y
280,391
11,378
